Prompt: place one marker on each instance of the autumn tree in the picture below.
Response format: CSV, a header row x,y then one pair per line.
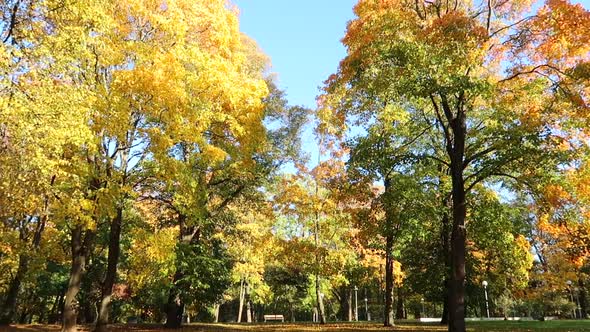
x,y
468,69
43,118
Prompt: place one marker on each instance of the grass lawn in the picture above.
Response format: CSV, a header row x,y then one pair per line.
x,y
489,326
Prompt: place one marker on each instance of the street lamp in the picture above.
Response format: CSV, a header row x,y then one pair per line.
x,y
367,309
485,291
423,311
579,309
569,288
356,304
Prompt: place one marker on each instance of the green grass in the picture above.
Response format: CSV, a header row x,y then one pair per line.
x,y
478,326
552,325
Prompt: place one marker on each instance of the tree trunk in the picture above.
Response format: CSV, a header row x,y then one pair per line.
x,y
389,291
445,312
216,312
349,304
80,249
399,310
248,303
175,304
388,315
583,298
9,305
456,150
241,303
175,307
320,300
446,253
111,274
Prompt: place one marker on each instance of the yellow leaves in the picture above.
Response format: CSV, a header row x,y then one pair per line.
x,y
394,114
566,35
152,256
556,195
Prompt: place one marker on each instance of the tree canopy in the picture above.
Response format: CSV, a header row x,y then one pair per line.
x,y
152,170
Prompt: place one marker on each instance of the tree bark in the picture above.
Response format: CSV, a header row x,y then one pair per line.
x,y
80,249
175,307
388,315
216,312
446,253
456,150
349,304
241,304
248,303
111,273
445,310
389,291
583,298
320,300
399,311
9,305
175,304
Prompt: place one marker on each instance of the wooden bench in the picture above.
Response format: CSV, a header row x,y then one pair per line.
x,y
274,317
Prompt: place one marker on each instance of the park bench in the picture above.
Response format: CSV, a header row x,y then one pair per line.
x,y
274,317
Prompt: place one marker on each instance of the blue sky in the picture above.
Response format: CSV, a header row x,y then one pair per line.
x,y
302,38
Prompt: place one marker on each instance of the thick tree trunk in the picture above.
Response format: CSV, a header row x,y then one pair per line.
x,y
111,274
80,249
175,308
446,253
9,305
456,151
175,305
445,312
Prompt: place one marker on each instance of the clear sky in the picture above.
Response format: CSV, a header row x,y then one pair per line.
x,y
302,38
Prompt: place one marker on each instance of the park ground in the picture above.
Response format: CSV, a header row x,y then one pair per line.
x,y
529,326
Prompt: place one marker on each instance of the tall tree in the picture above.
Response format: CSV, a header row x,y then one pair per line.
x,y
467,68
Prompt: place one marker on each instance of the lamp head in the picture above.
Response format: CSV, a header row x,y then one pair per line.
x,y
485,283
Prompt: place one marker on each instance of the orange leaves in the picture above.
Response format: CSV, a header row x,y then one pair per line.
x,y
563,32
556,195
456,29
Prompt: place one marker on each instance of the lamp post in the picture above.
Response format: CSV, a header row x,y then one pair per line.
x,y
579,309
356,304
367,309
423,311
485,292
569,288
